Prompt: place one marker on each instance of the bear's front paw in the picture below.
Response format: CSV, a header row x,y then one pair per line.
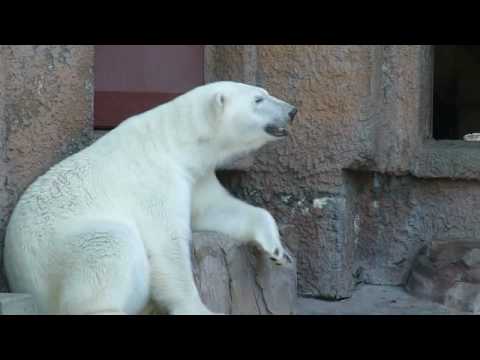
x,y
281,257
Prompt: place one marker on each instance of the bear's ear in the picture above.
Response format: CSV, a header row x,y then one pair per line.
x,y
219,100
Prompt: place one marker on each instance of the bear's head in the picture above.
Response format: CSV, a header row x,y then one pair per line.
x,y
248,116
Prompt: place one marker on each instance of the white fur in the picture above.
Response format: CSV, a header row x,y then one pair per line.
x,y
107,230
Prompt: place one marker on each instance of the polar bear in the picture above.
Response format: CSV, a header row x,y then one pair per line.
x,y
108,229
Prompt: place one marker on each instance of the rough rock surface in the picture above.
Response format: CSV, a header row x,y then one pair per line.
x,y
239,280
448,272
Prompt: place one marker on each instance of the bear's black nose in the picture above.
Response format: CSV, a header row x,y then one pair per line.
x,y
292,113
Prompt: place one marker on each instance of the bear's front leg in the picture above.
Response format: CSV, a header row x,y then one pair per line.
x,y
214,209
165,229
267,236
172,285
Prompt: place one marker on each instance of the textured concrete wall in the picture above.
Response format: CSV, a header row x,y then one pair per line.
x,y
300,179
5,196
343,185
46,102
391,218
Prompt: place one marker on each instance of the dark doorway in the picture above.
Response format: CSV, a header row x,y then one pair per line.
x,y
456,95
130,79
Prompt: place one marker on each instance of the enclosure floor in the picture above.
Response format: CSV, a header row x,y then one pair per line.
x,y
374,300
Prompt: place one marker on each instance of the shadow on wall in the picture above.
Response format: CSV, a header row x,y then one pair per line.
x,y
390,219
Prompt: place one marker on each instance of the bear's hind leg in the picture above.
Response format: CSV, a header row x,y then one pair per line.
x,y
107,274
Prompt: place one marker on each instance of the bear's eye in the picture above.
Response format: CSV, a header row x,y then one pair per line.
x,y
258,99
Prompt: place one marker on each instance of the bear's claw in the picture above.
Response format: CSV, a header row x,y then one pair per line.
x,y
285,259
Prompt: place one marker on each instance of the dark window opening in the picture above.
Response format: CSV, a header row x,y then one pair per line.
x,y
456,93
130,79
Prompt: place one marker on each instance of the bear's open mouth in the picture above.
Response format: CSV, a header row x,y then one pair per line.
x,y
276,131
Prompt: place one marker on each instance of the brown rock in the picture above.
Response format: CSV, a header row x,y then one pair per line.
x,y
463,296
445,275
472,258
445,251
473,276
